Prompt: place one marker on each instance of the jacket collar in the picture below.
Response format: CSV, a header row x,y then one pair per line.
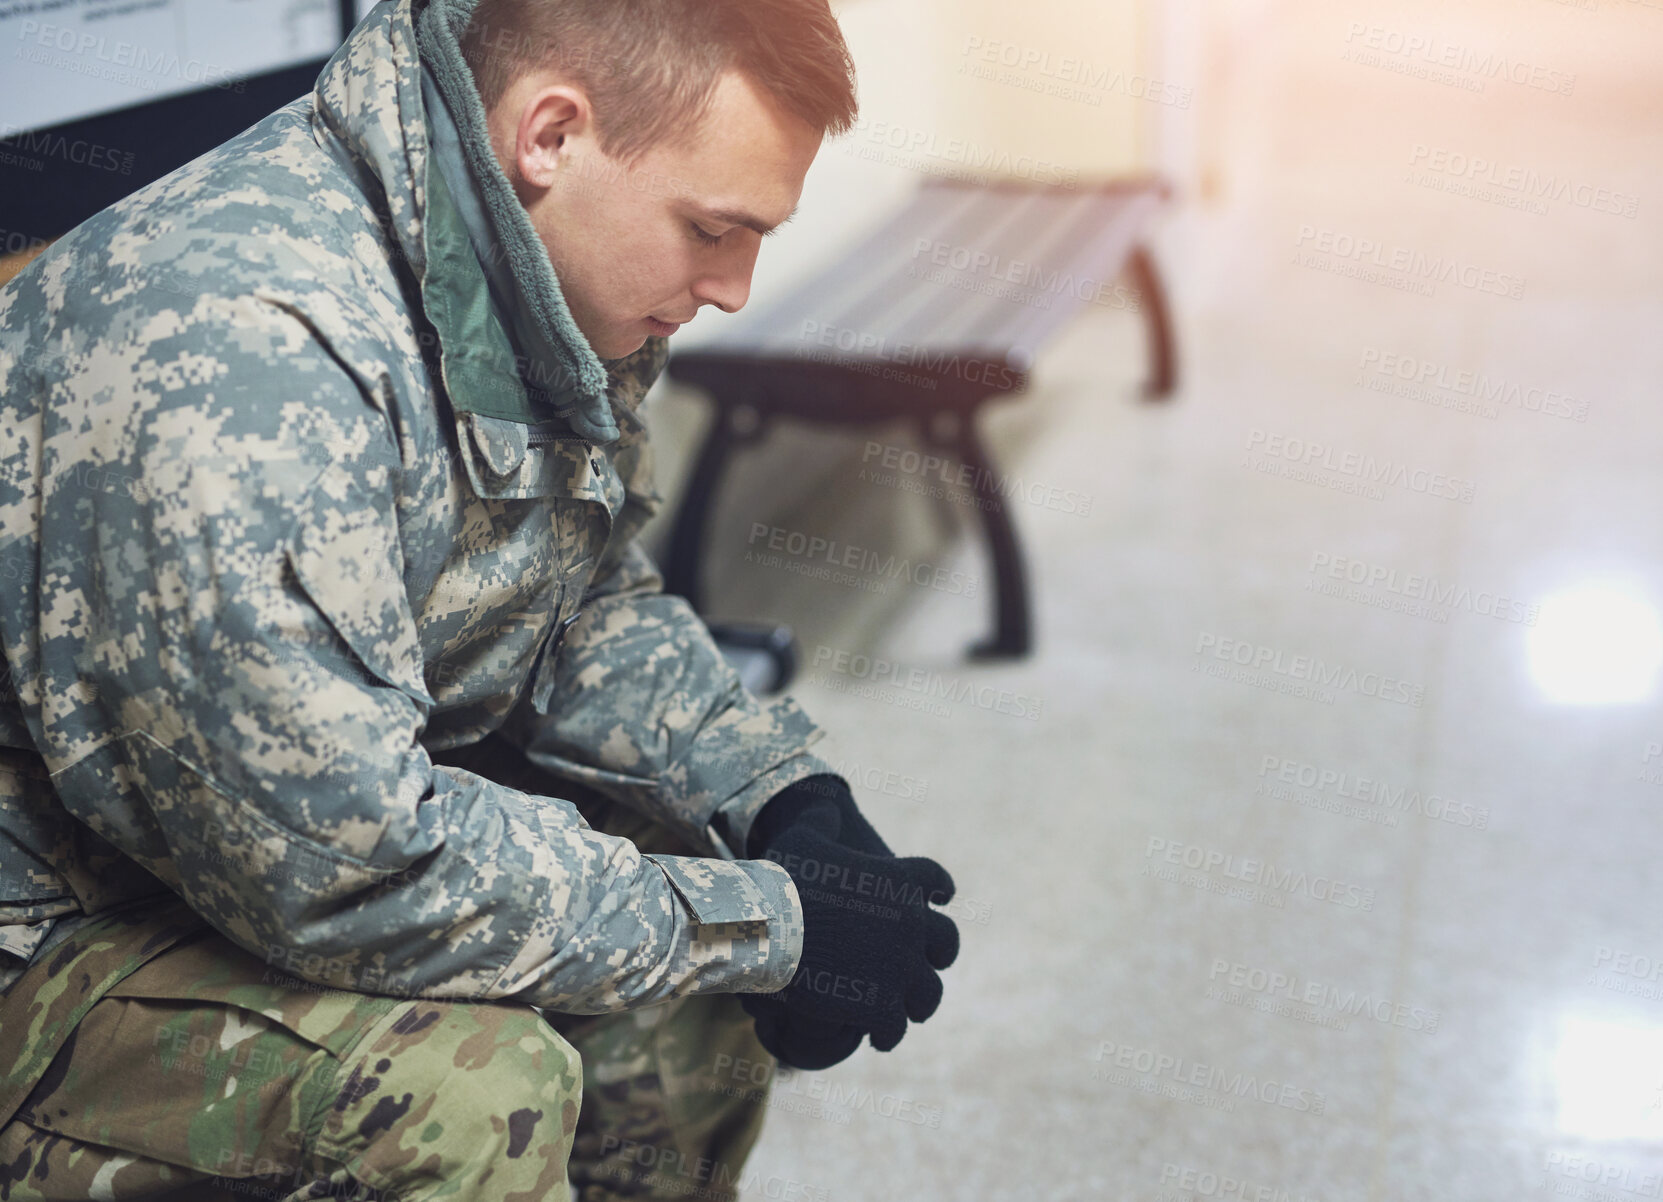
x,y
511,349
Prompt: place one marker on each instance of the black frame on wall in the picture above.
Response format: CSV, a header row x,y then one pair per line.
x,y
120,151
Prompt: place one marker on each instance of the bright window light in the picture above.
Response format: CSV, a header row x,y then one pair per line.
x,y
1610,1079
1597,645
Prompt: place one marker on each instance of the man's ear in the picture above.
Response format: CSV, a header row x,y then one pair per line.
x,y
550,117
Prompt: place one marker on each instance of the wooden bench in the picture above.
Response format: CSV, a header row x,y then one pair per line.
x,y
941,308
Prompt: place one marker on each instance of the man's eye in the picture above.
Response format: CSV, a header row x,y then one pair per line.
x,y
706,238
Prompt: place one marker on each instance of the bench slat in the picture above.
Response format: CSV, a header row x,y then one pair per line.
x,y
876,290
779,324
1099,259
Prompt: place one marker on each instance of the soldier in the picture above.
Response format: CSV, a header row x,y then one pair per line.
x,y
372,823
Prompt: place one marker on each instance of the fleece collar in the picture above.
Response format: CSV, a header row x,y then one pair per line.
x,y
515,349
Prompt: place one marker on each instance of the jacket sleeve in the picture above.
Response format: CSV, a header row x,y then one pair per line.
x,y
247,640
641,704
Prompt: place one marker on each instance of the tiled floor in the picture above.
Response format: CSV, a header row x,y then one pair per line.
x,y
1182,881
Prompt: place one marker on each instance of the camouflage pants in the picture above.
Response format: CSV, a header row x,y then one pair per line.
x,y
204,1074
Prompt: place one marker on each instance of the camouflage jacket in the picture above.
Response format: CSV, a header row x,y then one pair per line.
x,y
278,530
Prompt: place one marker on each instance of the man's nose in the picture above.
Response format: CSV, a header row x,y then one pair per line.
x,y
729,287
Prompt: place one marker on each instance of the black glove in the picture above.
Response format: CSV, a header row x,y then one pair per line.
x,y
797,1040
871,944
795,800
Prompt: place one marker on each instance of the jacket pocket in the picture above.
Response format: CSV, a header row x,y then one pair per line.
x,y
344,551
508,460
568,609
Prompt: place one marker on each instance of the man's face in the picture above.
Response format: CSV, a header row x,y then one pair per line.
x,y
639,249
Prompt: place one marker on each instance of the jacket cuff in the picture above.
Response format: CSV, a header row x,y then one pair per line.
x,y
746,922
729,829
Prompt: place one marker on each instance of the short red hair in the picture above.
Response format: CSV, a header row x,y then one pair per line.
x,y
649,67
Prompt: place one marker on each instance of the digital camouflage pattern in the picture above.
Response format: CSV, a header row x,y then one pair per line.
x,y
272,544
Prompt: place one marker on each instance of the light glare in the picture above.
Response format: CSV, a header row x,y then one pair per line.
x,y
1610,1079
1596,645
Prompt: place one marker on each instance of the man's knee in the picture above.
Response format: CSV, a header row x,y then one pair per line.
x,y
455,1092
488,1064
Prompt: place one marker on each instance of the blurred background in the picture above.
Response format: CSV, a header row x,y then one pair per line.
x,y
1323,857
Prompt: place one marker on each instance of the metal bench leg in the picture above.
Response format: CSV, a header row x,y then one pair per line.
x,y
1013,632
685,555
1163,373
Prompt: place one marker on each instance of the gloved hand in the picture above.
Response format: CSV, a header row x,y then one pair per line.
x,y
796,800
871,943
797,1040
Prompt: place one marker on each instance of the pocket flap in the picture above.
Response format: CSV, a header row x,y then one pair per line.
x,y
716,891
503,462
